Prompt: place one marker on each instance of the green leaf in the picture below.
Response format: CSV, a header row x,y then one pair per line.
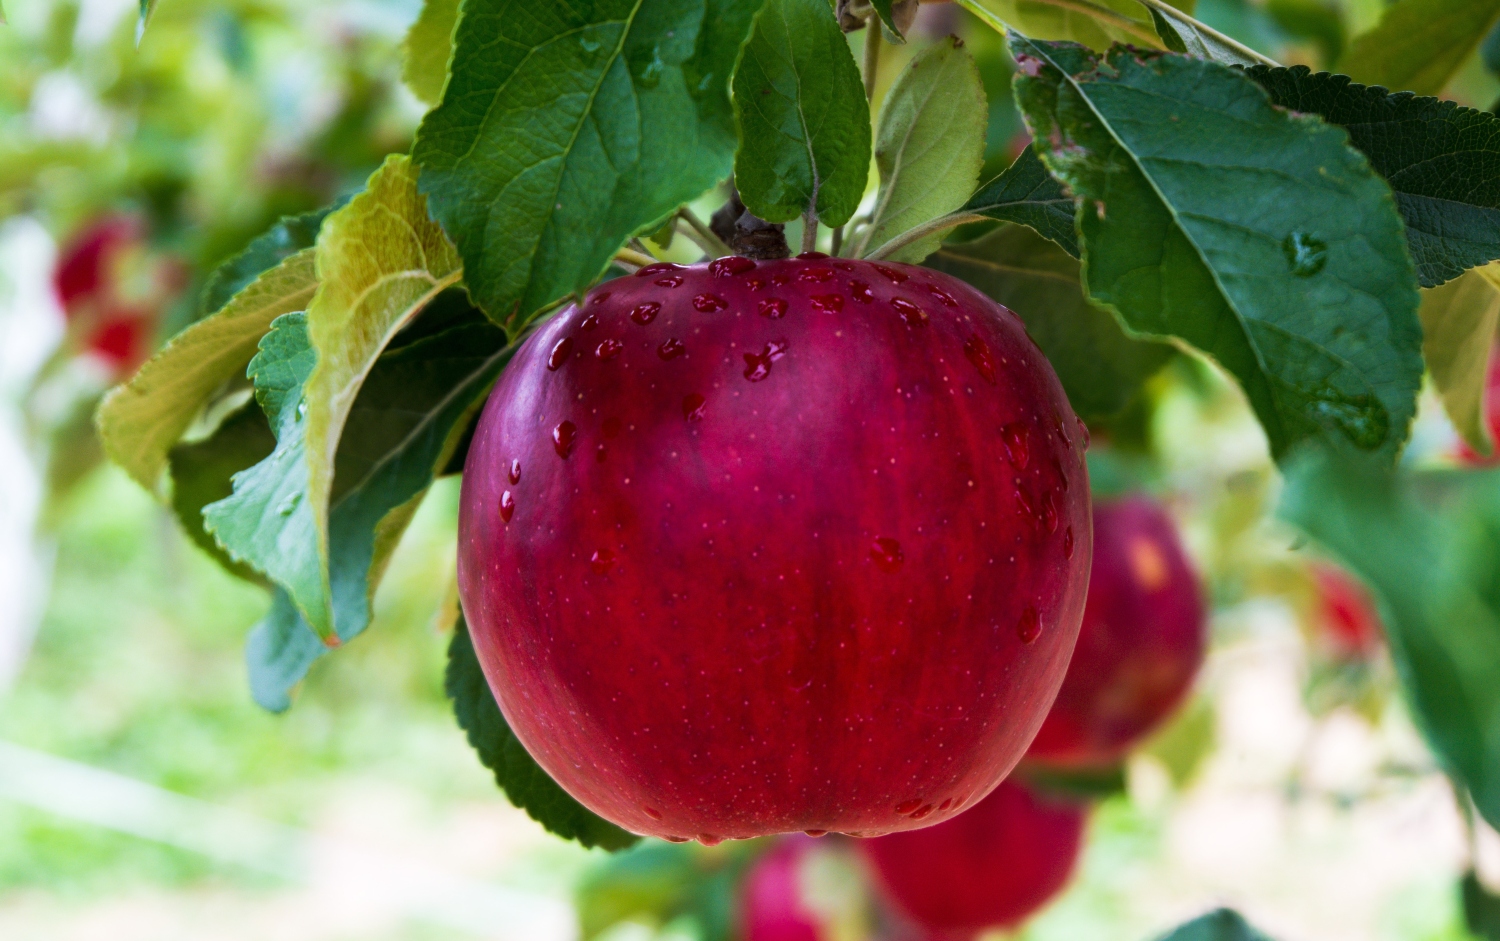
x,y
147,7
568,128
517,773
1442,161
1458,329
141,420
1221,925
804,123
267,522
203,472
381,259
1094,23
1182,33
427,48
1100,367
1441,615
1481,908
1026,193
930,146
1420,44
1256,235
284,239
279,652
1076,783
657,883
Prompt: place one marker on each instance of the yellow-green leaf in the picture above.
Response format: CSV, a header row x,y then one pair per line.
x,y
427,49
380,260
1420,44
1458,328
141,420
930,146
1094,23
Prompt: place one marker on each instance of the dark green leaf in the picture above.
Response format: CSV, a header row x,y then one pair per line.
x,y
1026,193
1420,44
1481,908
278,653
567,128
1255,235
427,48
1442,616
887,17
803,120
202,473
1442,161
1182,33
517,773
1101,369
278,243
1221,925
1082,783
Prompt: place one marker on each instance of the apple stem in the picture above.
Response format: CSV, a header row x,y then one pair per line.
x,y
809,230
702,235
629,256
940,224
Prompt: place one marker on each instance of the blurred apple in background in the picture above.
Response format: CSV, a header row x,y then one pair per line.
x,y
114,289
1141,644
1345,623
992,866
803,890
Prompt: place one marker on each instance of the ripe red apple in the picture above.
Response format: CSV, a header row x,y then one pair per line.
x,y
1344,614
113,290
1140,646
801,890
1466,454
749,548
991,867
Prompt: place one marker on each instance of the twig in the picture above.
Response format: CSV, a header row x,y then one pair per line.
x,y
809,230
706,238
632,257
871,68
838,241
940,224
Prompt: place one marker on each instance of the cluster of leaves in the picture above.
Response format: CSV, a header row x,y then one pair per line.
x,y
1182,193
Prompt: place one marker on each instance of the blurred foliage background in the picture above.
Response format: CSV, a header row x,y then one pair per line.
x,y
1294,787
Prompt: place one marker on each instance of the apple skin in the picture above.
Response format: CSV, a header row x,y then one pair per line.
x,y
1142,641
1344,613
762,560
991,867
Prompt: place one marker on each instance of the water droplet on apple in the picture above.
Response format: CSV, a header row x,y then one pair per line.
x,y
645,313
692,406
609,349
906,807
560,353
710,839
1049,510
1068,543
894,275
773,307
911,314
1029,628
861,292
947,299
816,275
1017,440
828,303
920,812
758,365
599,298
589,322
670,281
602,561
978,353
709,303
816,833
887,554
652,812
564,436
1083,430
507,506
730,265
657,268
671,349
515,472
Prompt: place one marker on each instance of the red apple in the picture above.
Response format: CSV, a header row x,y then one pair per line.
x,y
749,548
1344,615
113,290
797,891
991,867
1140,646
1466,454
